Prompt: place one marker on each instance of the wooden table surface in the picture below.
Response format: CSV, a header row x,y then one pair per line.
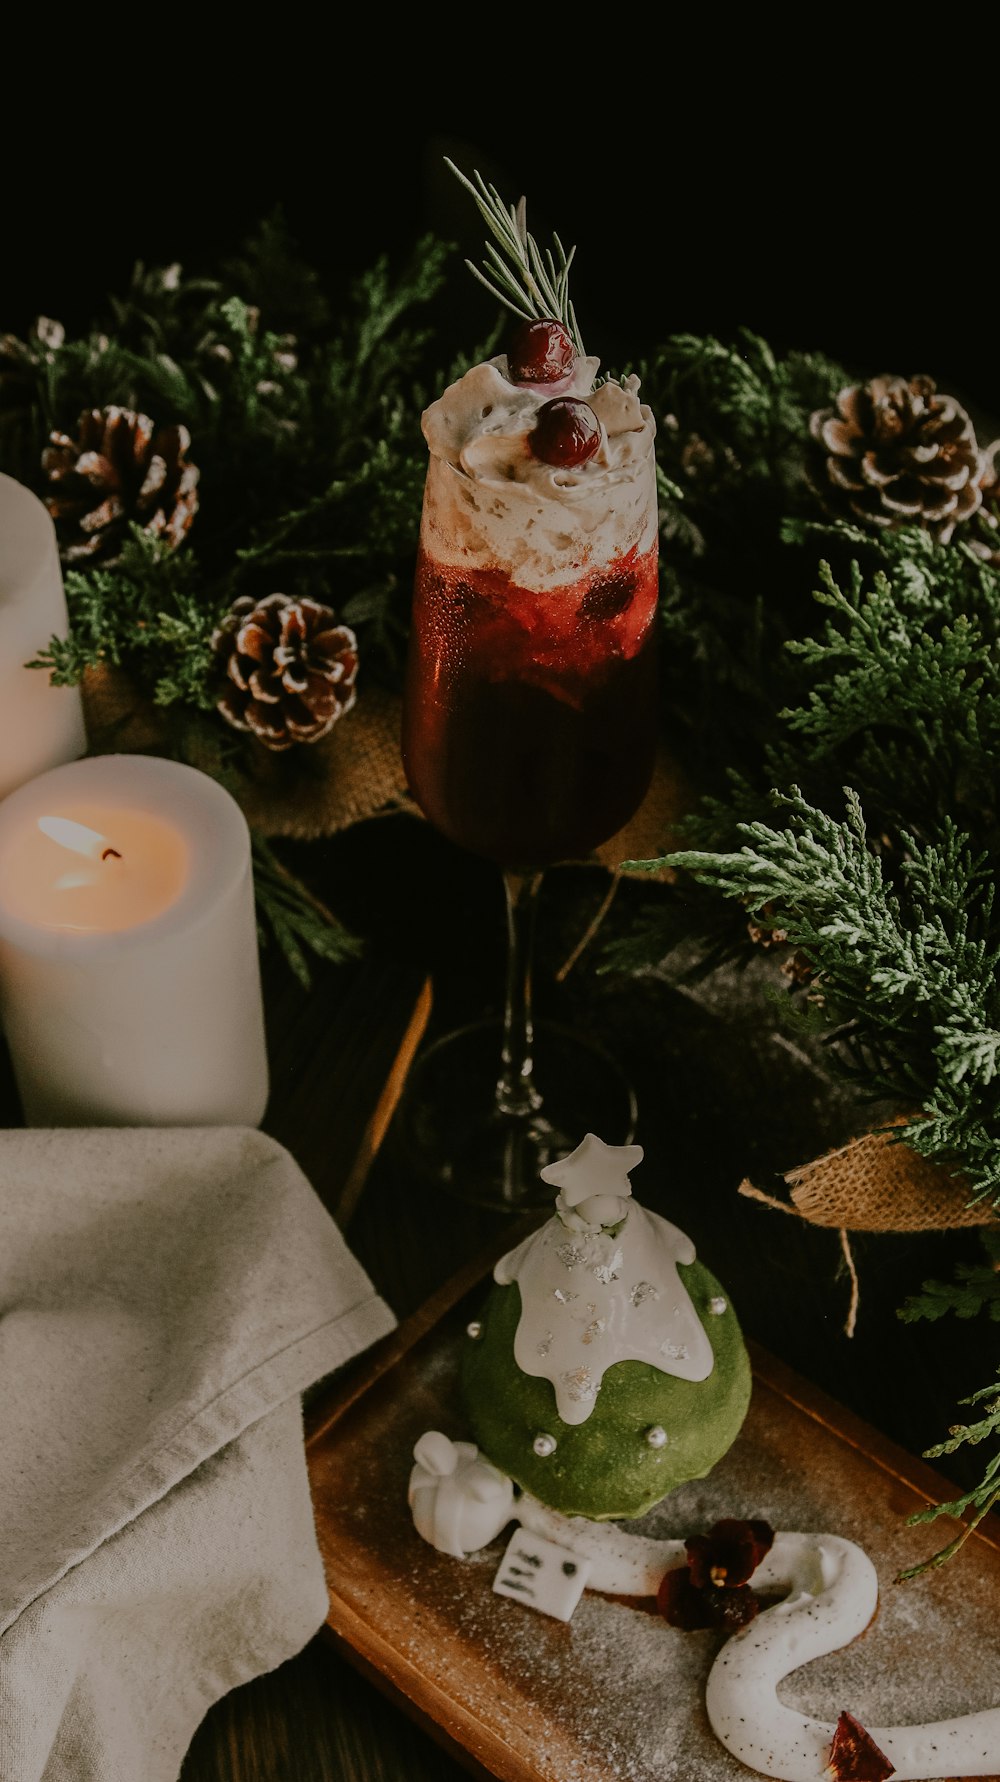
x,y
722,1096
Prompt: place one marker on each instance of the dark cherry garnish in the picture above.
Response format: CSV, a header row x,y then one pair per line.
x,y
566,432
540,353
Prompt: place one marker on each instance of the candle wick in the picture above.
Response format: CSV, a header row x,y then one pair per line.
x,y
111,851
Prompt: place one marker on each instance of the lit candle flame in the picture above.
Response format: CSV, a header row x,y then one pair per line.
x,y
79,839
75,836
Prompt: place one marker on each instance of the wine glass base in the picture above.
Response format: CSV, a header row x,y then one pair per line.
x,y
458,1139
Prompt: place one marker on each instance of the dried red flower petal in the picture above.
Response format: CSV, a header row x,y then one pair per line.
x,y
711,1590
730,1553
731,1607
680,1602
854,1755
690,1607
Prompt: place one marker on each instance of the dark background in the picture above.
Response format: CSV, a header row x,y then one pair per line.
x,y
706,181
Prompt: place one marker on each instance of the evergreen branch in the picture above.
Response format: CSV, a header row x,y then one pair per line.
x,y
982,1498
907,965
299,922
941,689
975,1289
147,610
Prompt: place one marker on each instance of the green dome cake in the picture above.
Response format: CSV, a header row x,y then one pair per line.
x,y
607,1365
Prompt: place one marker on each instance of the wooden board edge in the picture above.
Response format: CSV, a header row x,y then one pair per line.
x,y
349,1387
441,1716
907,1469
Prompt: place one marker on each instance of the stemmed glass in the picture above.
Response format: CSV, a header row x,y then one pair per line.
x,y
530,710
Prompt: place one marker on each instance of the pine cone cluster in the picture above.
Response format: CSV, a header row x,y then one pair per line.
x,y
290,669
895,452
120,469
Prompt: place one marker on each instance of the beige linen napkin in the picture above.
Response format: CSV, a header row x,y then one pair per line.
x,y
166,1295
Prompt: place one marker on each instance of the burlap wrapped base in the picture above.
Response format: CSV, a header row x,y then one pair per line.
x,y
355,773
302,793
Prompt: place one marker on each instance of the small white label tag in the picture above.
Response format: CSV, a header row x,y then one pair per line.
x,y
538,1572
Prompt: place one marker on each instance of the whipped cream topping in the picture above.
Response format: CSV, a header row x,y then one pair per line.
x,y
592,1297
489,501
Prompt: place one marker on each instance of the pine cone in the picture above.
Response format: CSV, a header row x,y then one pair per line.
x,y
984,536
121,469
291,669
893,452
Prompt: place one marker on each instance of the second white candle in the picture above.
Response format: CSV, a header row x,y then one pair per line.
x,y
40,725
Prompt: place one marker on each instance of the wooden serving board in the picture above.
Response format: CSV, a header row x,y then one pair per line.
x,y
616,1695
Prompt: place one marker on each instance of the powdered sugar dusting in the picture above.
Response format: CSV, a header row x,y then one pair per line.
x,y
616,1695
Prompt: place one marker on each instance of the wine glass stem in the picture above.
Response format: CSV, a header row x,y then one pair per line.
x,y
517,1095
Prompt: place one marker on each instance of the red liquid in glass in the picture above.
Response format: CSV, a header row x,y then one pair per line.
x,y
530,719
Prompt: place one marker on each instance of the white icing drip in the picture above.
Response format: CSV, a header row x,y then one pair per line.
x,y
606,1320
830,1593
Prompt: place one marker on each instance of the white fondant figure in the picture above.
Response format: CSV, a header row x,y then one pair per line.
x,y
459,1503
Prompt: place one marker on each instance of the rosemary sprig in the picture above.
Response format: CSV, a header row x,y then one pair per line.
x,y
519,275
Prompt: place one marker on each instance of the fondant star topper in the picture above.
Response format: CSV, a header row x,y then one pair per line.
x,y
594,1168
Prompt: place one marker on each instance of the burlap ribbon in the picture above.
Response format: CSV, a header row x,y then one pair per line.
x,y
877,1182
301,793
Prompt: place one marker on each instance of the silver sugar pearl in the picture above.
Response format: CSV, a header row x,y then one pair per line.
x,y
544,1445
656,1436
717,1305
474,1329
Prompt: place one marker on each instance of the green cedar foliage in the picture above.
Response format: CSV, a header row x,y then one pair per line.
x,y
304,423
309,449
851,807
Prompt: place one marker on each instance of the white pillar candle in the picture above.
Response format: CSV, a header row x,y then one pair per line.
x,y
129,972
40,725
